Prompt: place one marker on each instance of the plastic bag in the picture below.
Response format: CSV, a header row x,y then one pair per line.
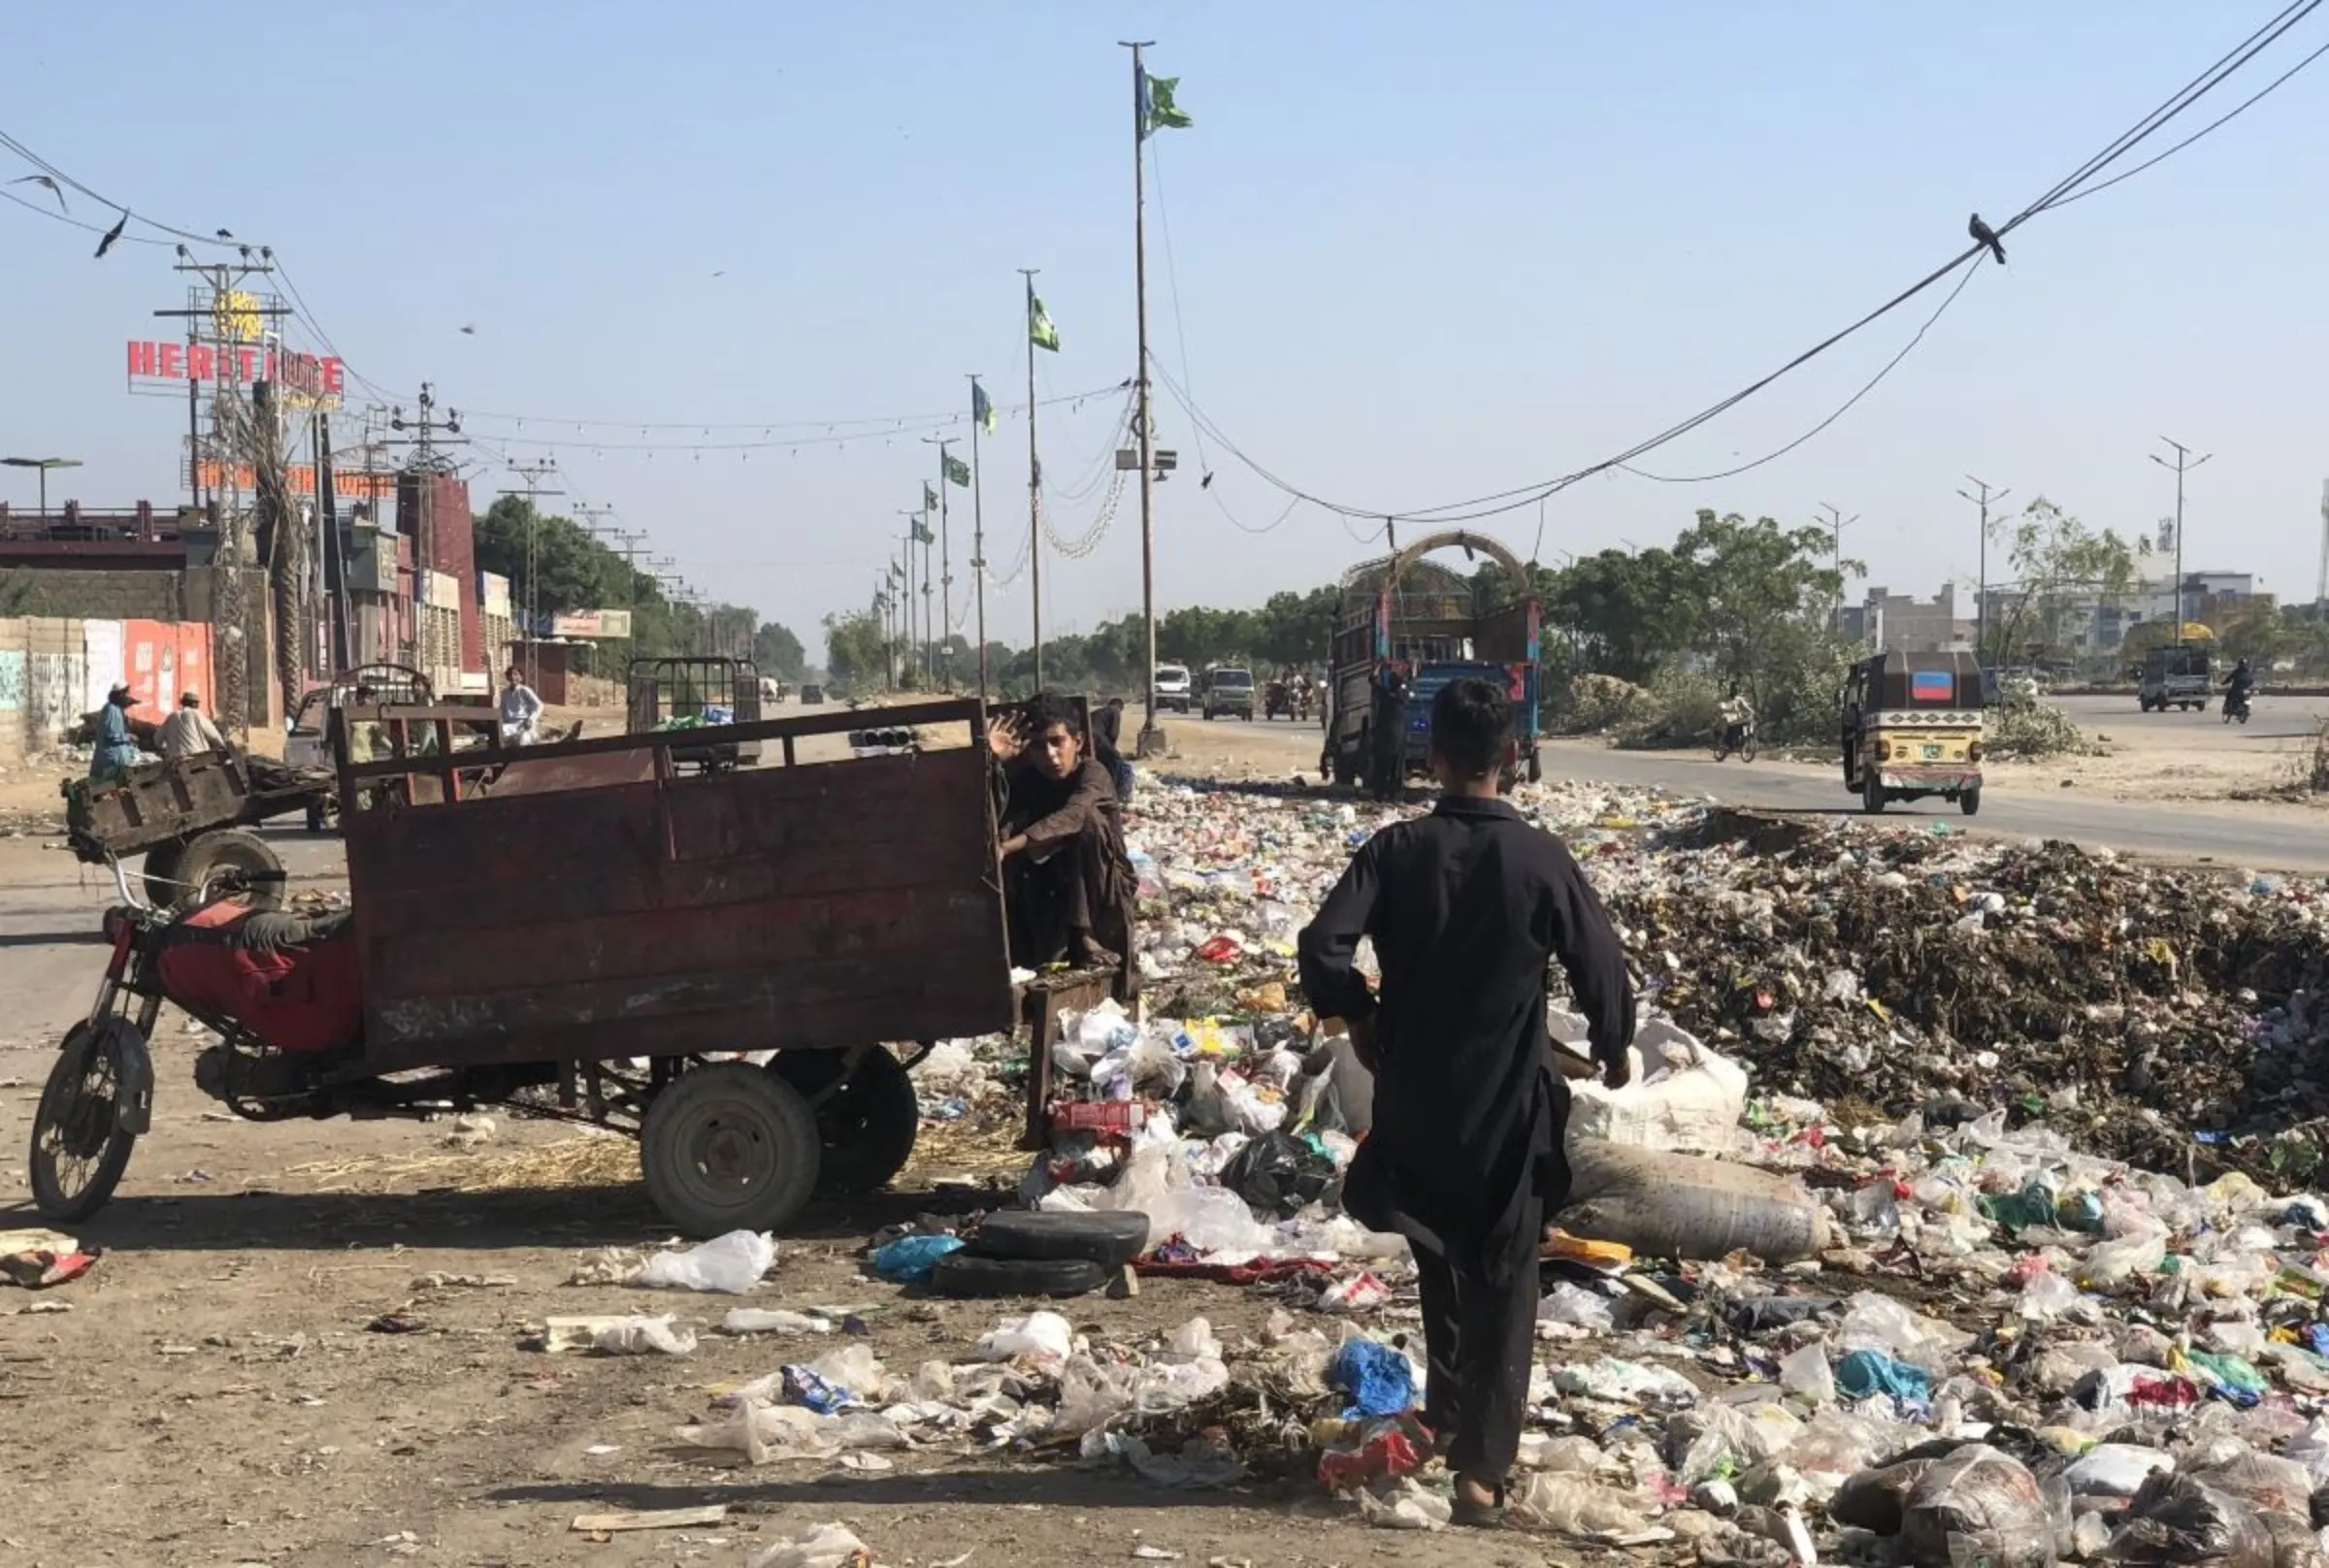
x,y
1717,1441
1278,1175
1576,1307
1681,1096
2178,1522
913,1258
1806,1372
773,1321
825,1546
1379,1378
2269,1483
2109,1264
731,1264
1862,1374
2115,1470
1043,1337
1978,1503
1573,1505
637,1334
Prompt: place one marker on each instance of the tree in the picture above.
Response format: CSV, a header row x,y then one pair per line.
x,y
2259,631
575,572
857,649
2062,571
778,653
1614,610
1758,601
1296,628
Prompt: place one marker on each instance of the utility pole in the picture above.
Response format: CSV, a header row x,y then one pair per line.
x,y
2184,464
1034,483
913,528
2321,589
531,473
1983,496
1837,522
978,529
1152,737
328,540
946,655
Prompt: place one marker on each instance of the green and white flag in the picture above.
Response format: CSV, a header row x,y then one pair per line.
x,y
1157,110
1039,330
958,472
922,533
982,408
930,498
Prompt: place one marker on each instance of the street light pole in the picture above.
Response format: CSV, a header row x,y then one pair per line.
x,y
2184,464
1981,593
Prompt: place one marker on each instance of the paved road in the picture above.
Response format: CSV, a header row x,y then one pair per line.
x,y
2179,829
2271,718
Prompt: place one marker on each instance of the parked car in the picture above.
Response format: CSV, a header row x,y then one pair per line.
x,y
1230,692
1173,688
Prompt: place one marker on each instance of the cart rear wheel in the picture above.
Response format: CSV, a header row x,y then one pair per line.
x,y
1872,794
161,872
867,1125
230,849
1970,801
729,1147
79,1148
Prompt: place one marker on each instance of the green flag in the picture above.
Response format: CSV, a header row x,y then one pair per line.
x,y
1157,110
922,533
982,408
930,498
897,573
1039,330
958,472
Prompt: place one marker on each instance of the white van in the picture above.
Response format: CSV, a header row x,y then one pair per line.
x,y
1173,692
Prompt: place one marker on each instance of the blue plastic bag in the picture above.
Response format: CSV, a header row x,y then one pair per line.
x,y
909,1258
1865,1373
1379,1379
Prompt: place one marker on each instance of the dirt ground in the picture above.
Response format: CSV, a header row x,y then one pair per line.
x,y
215,1392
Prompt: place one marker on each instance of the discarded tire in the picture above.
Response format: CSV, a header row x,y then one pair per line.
x,y
1111,1239
962,1276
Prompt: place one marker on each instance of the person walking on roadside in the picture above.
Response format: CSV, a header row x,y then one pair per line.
x,y
1465,908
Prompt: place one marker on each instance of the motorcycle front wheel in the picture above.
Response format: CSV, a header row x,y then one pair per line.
x,y
80,1149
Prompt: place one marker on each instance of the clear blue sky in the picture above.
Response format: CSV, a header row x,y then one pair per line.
x,y
1421,253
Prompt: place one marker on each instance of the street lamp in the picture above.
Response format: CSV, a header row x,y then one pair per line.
x,y
43,464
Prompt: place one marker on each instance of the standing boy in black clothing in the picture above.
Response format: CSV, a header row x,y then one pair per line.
x,y
1466,907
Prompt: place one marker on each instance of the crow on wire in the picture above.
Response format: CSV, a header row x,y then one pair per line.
x,y
1983,233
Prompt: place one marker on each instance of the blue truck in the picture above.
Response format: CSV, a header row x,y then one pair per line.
x,y
1406,622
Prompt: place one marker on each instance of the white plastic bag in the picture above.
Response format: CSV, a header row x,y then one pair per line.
x,y
1044,1337
825,1546
641,1336
731,1264
1682,1097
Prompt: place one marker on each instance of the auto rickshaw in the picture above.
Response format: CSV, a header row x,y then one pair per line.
x,y
1912,728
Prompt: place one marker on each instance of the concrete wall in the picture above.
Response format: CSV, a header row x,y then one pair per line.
x,y
53,670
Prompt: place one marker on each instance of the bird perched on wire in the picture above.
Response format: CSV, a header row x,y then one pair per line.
x,y
113,233
226,234
1983,233
49,183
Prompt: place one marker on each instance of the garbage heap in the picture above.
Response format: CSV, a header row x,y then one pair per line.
x,y
1954,1216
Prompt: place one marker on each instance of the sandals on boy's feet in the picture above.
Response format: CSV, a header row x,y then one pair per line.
x,y
1470,1515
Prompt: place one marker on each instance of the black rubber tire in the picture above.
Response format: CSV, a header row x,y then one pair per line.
x,y
729,1147
867,1127
233,848
964,1276
1536,768
315,818
1872,795
1970,802
63,1104
1747,751
160,873
1111,1238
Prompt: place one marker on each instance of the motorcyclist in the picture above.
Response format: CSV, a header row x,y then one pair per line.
x,y
1738,718
2239,686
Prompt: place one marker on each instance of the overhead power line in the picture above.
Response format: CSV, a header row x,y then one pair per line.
x,y
2079,183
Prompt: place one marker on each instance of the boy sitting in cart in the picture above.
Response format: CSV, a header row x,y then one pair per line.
x,y
1068,884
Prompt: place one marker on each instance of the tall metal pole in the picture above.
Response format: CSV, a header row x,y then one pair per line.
x,y
946,567
1152,739
1034,483
2185,462
1981,593
978,539
906,661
